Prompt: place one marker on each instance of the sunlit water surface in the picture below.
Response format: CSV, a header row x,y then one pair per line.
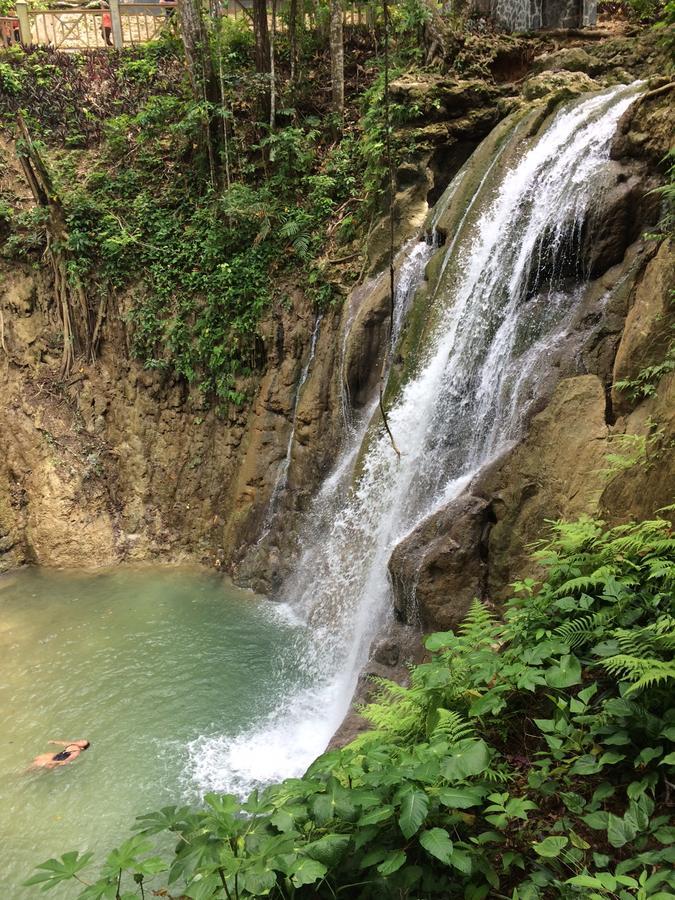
x,y
143,663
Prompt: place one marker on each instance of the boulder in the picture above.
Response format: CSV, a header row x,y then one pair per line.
x,y
570,59
564,84
645,131
439,568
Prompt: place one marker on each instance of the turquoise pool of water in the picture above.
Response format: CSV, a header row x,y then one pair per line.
x,y
144,663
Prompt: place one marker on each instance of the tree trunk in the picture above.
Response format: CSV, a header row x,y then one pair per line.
x,y
79,334
337,57
262,37
293,37
273,86
203,77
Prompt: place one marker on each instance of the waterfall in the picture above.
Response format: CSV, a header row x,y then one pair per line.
x,y
509,280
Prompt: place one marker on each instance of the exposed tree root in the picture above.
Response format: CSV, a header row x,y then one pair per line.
x,y
69,298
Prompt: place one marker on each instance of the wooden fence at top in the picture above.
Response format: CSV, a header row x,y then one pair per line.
x,y
124,24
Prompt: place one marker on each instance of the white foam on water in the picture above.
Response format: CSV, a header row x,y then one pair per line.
x,y
501,312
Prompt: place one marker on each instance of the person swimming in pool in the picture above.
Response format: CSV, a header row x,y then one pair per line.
x,y
71,750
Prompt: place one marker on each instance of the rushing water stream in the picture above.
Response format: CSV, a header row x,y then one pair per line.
x,y
141,663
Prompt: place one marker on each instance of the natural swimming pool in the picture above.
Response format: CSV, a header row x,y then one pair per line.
x,y
154,666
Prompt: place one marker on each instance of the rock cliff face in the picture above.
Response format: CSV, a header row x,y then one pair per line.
x,y
122,463
590,451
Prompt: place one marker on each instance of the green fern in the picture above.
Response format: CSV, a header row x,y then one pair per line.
x,y
582,631
586,583
452,727
644,673
658,637
479,626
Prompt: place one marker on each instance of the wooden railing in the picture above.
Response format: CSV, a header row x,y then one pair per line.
x,y
124,24
115,25
143,22
10,33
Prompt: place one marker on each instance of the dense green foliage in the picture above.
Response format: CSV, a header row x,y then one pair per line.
x,y
198,248
529,758
205,259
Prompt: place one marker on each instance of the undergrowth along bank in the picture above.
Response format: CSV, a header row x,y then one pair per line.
x,y
530,757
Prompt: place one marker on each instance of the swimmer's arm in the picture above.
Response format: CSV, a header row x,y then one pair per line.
x,y
59,743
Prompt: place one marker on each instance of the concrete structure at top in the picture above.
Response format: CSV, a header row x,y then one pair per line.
x,y
534,15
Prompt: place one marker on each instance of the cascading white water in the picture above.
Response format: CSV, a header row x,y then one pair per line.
x,y
507,288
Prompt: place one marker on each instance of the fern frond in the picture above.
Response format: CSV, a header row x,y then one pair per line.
x,y
658,637
583,630
657,675
452,727
585,582
661,568
643,672
479,626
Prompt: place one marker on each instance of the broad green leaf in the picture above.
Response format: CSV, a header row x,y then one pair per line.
x,y
392,863
620,831
461,797
602,792
373,816
439,640
307,871
63,869
584,881
611,758
607,880
465,759
551,846
323,809
578,842
127,855
259,880
166,819
100,890
461,860
647,754
153,865
665,835
565,674
203,888
283,820
413,811
329,849
586,765
437,842
596,820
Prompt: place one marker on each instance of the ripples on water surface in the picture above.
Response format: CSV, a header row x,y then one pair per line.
x,y
146,664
